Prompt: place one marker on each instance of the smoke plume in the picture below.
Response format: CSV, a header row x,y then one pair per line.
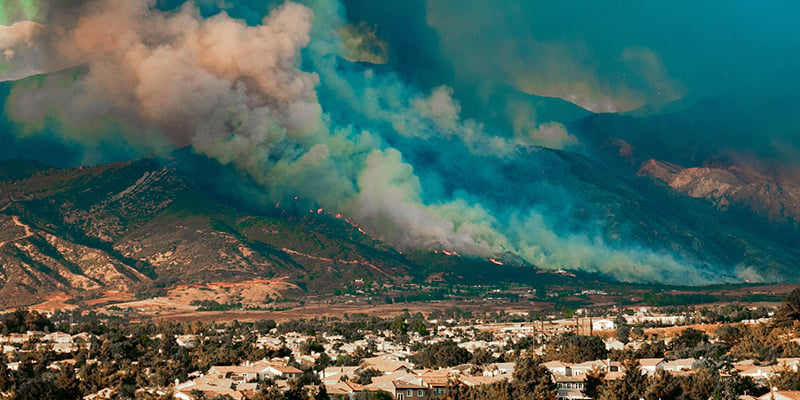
x,y
279,100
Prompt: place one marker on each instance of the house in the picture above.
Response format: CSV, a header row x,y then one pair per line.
x,y
343,390
386,364
614,344
209,391
684,364
236,373
649,366
558,367
781,395
496,369
479,380
597,365
759,373
17,338
474,345
790,364
335,374
63,347
603,325
106,393
386,382
57,337
281,372
186,341
570,387
409,391
436,383
268,342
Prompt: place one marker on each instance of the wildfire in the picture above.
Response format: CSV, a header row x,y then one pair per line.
x,y
445,252
564,273
494,261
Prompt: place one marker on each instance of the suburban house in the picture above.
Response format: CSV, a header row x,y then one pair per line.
x,y
651,365
614,344
409,391
558,367
335,374
781,395
479,380
436,383
236,373
603,325
760,373
386,365
343,390
209,386
570,387
254,371
281,372
597,365
496,369
683,364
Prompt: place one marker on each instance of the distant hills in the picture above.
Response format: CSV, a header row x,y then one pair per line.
x,y
139,225
155,223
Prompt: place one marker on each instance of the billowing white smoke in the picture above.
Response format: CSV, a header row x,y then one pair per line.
x,y
235,92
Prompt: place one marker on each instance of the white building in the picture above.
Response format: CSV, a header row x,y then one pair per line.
x,y
603,325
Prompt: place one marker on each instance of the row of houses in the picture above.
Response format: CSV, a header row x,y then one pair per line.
x,y
238,381
571,377
58,342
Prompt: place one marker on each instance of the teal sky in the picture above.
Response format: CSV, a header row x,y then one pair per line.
x,y
704,48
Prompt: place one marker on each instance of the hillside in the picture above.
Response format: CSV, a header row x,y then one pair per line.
x,y
139,225
150,224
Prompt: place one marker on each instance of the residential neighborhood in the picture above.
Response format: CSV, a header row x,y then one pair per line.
x,y
409,356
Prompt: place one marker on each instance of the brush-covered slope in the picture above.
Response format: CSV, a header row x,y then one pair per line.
x,y
141,224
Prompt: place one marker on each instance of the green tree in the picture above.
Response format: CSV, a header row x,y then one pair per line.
x,y
662,386
623,333
6,379
67,383
39,388
630,387
399,326
731,334
532,380
700,385
688,343
322,362
322,393
593,383
786,379
789,310
445,353
576,348
365,375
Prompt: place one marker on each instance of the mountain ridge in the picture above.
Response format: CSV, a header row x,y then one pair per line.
x,y
131,226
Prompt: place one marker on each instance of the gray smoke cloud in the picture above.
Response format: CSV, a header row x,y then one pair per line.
x,y
251,96
502,47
